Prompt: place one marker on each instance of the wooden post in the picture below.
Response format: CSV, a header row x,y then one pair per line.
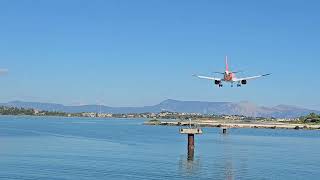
x,y
190,147
224,130
191,133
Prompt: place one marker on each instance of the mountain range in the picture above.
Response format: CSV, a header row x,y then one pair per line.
x,y
226,108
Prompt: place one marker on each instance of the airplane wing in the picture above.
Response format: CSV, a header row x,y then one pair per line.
x,y
209,78
249,78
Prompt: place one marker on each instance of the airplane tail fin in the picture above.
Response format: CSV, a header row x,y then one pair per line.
x,y
227,65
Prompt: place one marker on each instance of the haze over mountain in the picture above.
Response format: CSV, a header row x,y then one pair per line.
x,y
227,108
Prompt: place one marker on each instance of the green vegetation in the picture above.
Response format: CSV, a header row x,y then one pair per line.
x,y
311,118
15,111
29,112
154,122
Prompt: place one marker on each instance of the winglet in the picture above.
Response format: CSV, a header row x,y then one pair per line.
x,y
267,74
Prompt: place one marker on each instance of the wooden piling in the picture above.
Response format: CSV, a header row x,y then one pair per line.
x,y
191,133
224,131
190,146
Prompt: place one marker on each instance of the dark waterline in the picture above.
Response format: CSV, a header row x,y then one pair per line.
x,y
71,148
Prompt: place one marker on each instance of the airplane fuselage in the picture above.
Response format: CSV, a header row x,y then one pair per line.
x,y
228,76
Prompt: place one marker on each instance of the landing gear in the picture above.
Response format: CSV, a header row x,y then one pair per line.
x,y
220,85
238,85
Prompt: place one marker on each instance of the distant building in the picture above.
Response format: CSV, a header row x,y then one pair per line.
x,y
104,115
92,115
130,116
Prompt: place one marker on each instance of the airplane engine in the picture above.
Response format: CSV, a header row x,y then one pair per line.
x,y
244,82
217,82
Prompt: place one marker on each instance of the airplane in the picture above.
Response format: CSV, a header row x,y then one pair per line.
x,y
229,76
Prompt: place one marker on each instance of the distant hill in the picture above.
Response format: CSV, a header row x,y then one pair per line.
x,y
227,108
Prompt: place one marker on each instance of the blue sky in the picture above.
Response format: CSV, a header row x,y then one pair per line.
x,y
133,53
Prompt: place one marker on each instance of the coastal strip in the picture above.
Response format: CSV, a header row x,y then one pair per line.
x,y
233,124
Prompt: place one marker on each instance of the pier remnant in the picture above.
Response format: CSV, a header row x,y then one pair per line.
x,y
191,132
224,130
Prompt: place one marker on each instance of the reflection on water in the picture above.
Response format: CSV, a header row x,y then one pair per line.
x,y
189,167
190,154
229,161
227,157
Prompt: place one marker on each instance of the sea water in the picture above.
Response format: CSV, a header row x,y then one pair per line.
x,y
88,148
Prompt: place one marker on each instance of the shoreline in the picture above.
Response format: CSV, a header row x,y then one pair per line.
x,y
233,124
